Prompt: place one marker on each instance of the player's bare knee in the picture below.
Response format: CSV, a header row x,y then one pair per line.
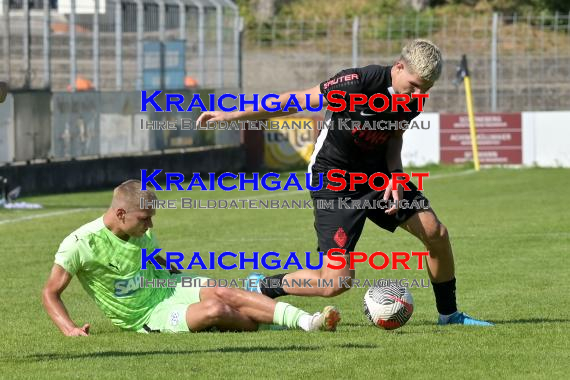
x,y
223,293
333,292
442,233
207,293
335,282
217,293
337,288
216,311
436,234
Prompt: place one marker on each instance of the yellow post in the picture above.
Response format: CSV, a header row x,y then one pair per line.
x,y
472,129
464,72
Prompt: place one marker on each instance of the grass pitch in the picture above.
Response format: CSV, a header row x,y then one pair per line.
x,y
511,235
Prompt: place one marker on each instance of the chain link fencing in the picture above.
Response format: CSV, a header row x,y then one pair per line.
x,y
517,63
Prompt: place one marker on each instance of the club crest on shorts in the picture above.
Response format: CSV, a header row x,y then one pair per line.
x,y
174,318
340,237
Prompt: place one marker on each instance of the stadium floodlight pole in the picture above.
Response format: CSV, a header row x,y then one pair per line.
x,y
201,62
47,48
240,56
72,47
162,37
494,62
181,20
96,50
26,45
140,44
161,20
355,26
238,26
182,29
219,41
119,45
6,44
463,73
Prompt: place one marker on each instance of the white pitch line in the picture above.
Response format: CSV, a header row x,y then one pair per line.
x,y
293,192
447,175
272,195
47,214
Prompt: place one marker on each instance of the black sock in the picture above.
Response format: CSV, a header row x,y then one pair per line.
x,y
445,297
272,287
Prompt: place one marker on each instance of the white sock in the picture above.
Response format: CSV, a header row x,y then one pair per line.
x,y
305,322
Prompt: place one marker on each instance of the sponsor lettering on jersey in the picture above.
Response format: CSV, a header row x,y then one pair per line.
x,y
127,286
340,79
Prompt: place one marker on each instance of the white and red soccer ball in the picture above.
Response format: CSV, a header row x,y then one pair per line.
x,y
388,307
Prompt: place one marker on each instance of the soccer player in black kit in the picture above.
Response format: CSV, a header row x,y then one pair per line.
x,y
368,151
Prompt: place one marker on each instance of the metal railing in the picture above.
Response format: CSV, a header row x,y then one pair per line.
x,y
100,43
517,62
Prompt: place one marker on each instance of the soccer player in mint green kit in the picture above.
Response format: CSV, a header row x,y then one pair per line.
x,y
105,255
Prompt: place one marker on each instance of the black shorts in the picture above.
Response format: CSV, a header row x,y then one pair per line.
x,y
340,226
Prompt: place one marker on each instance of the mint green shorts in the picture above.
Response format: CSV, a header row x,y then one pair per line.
x,y
169,316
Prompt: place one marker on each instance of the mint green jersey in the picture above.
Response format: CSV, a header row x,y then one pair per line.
x,y
109,269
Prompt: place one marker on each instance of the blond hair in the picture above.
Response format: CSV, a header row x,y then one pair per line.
x,y
423,58
128,195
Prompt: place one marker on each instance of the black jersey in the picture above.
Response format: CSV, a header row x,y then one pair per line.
x,y
341,143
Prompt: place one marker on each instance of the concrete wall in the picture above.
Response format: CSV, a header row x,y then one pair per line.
x,y
32,124
545,140
421,146
78,175
75,124
7,129
45,125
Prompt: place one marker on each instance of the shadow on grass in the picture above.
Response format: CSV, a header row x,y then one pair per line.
x,y
120,354
74,206
370,325
530,320
58,207
508,321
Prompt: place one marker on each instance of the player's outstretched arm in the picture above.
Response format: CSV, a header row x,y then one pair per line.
x,y
249,114
173,269
51,297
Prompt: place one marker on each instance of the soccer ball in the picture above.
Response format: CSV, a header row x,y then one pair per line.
x,y
388,307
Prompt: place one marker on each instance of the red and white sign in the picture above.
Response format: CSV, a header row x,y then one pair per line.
x,y
499,136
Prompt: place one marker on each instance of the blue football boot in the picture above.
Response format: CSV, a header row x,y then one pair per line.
x,y
460,318
252,283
